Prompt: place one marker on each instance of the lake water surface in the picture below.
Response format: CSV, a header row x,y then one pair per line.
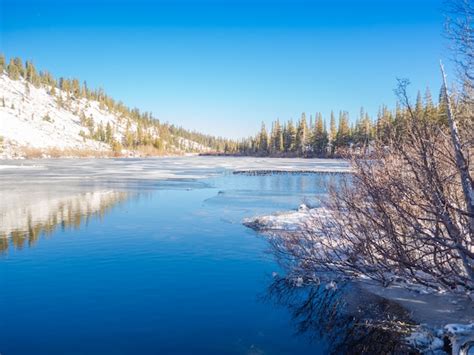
x,y
145,257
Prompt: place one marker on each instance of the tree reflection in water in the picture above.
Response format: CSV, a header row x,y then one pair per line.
x,y
348,319
26,225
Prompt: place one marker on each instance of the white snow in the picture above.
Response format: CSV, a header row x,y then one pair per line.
x,y
284,221
23,118
32,118
28,167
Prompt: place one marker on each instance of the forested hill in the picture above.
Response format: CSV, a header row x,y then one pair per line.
x,y
45,116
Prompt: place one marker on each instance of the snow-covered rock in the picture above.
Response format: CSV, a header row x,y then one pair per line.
x,y
284,221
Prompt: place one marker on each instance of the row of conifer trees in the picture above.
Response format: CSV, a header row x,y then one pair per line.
x,y
313,137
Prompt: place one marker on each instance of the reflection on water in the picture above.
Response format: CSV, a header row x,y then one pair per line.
x,y
175,265
347,318
24,225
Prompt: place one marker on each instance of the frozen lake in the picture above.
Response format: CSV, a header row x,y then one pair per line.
x,y
150,256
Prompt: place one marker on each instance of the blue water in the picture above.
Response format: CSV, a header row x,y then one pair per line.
x,y
169,269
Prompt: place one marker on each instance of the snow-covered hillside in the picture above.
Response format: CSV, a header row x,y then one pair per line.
x,y
33,119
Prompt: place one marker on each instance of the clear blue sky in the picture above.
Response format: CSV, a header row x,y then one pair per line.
x,y
222,67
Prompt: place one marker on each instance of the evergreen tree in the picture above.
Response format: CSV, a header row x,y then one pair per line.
x,y
290,138
301,134
276,138
443,105
109,137
384,126
2,63
419,104
428,99
19,65
31,75
320,137
279,145
263,140
76,88
332,127
13,71
343,135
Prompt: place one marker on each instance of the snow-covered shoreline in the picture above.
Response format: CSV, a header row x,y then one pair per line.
x,y
439,315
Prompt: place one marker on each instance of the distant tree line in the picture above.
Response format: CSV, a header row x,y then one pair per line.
x,y
319,137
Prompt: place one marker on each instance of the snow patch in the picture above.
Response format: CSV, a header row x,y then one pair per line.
x,y
284,221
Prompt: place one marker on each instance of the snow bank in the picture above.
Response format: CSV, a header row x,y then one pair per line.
x,y
284,221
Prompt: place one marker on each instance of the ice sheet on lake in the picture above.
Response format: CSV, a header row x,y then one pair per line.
x,y
32,186
176,167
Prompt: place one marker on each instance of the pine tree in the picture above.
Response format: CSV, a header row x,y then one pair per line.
x,y
384,125
332,128
428,99
419,104
31,75
263,140
76,88
443,105
279,144
343,135
290,138
2,63
301,134
85,90
320,137
12,70
109,136
276,138
19,65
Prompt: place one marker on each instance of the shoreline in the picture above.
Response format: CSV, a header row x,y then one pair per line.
x,y
439,316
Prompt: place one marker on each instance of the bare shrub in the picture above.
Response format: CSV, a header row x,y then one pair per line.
x,y
402,215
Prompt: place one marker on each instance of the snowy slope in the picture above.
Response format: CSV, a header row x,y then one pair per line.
x,y
31,117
